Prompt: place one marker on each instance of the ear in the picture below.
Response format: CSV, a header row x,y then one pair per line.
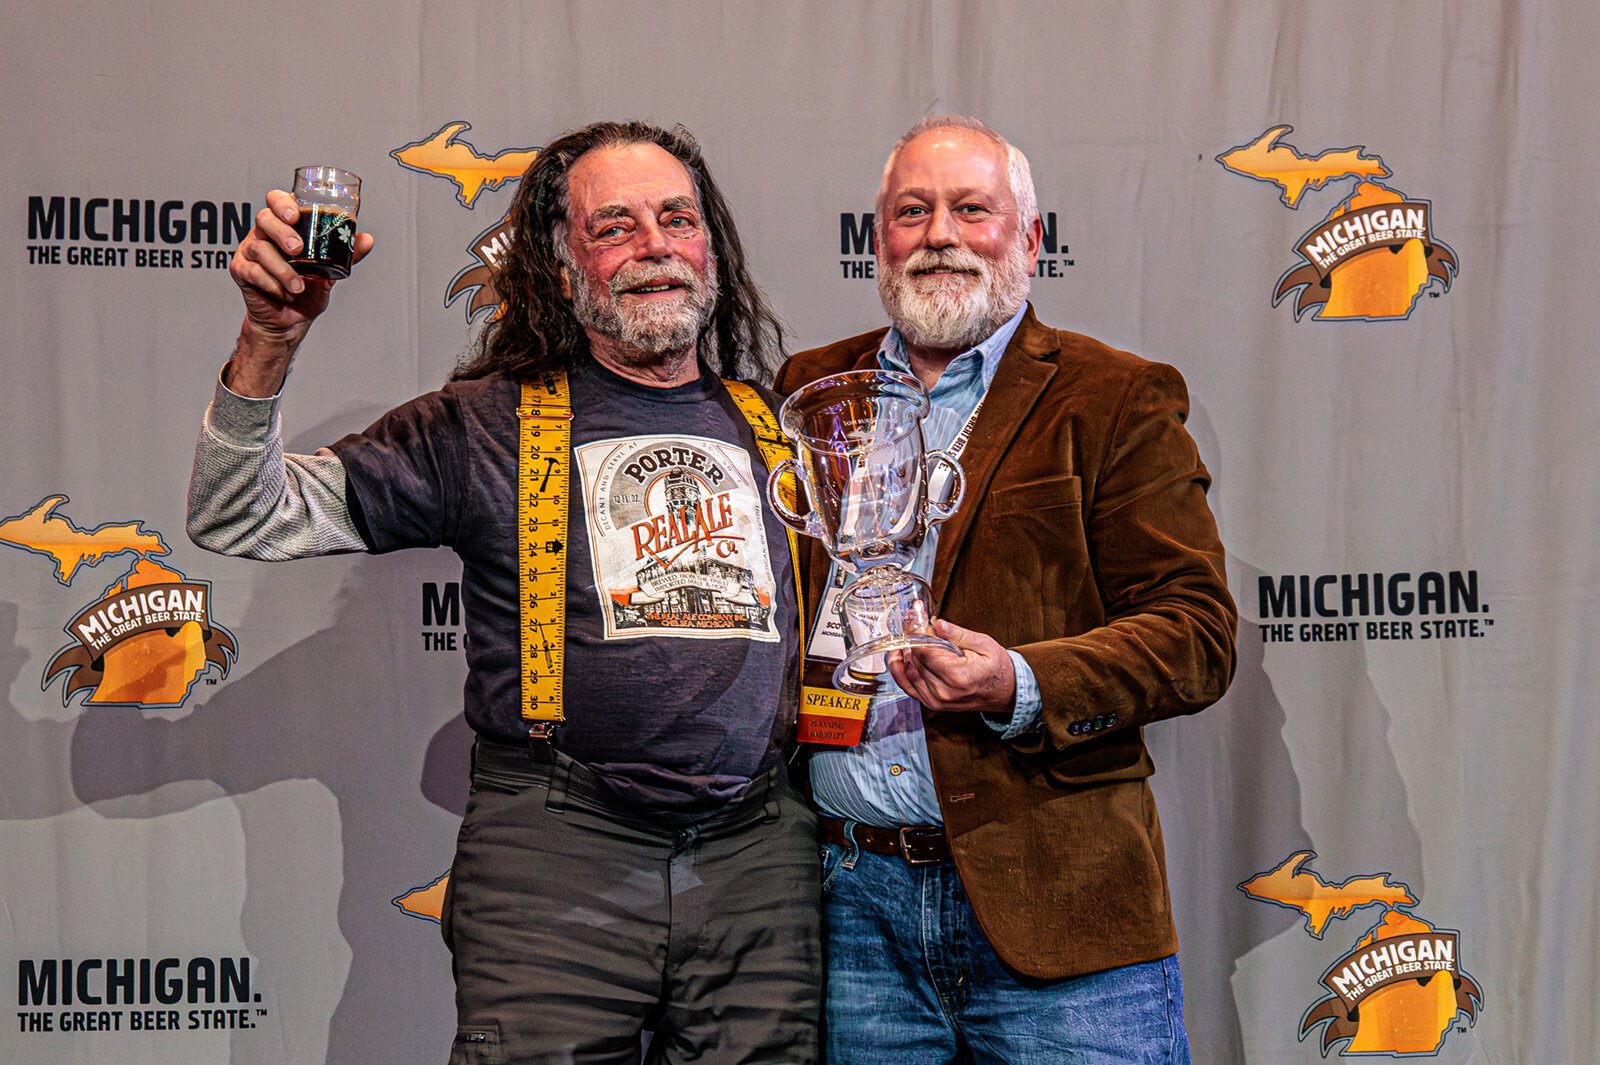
x,y
566,284
1035,239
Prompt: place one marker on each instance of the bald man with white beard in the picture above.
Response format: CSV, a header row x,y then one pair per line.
x,y
994,882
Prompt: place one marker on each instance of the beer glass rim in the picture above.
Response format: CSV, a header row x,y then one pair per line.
x,y
348,177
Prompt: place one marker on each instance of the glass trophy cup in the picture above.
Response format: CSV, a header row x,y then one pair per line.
x,y
866,473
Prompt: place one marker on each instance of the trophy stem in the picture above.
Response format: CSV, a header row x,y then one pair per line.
x,y
885,610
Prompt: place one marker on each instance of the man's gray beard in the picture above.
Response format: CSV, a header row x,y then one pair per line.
x,y
650,327
954,316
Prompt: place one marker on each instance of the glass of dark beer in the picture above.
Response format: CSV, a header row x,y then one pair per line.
x,y
329,199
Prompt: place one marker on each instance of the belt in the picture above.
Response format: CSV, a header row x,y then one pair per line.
x,y
516,765
917,844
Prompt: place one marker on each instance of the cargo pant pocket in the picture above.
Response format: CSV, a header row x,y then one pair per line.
x,y
477,1044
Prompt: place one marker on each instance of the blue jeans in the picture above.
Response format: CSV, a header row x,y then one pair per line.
x,y
912,980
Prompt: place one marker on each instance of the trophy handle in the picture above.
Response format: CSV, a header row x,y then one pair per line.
x,y
776,492
954,486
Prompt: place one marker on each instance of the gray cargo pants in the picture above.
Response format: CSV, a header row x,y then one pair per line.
x,y
575,924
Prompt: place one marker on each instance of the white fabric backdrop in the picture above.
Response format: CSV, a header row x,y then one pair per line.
x,y
274,813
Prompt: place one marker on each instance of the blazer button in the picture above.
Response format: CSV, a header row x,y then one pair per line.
x,y
1111,719
1099,723
1074,728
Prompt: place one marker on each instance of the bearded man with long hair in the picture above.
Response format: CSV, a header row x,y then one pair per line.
x,y
639,861
537,328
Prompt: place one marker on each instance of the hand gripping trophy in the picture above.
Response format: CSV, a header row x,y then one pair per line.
x,y
867,474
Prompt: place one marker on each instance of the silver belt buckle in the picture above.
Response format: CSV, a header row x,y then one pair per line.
x,y
909,849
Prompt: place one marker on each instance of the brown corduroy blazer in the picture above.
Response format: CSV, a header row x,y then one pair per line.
x,y
1084,544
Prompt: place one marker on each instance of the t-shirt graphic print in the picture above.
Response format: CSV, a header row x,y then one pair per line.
x,y
676,536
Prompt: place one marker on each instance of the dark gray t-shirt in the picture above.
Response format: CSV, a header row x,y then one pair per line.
x,y
682,648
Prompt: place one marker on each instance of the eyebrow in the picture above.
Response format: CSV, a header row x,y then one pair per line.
x,y
978,191
618,210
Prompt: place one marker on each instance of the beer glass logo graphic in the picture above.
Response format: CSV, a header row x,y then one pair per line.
x,y
1372,256
146,640
1400,988
866,474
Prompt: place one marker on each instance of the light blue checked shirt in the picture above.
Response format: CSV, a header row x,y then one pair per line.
x,y
884,780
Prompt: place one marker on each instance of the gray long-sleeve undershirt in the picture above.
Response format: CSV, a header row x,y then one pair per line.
x,y
248,498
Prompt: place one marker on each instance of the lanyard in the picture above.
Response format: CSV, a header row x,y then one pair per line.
x,y
941,477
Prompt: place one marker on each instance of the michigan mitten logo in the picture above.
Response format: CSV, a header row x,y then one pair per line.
x,y
1373,255
148,637
443,154
1399,988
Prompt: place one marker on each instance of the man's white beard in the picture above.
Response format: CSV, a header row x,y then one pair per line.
x,y
953,313
650,326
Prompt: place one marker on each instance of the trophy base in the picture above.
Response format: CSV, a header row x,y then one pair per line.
x,y
859,673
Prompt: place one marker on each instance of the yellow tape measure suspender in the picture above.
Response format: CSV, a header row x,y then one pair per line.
x,y
544,476
775,448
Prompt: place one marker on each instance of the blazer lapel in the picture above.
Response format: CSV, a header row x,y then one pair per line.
x,y
1019,381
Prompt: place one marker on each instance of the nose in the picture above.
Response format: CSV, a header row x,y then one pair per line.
x,y
652,241
941,231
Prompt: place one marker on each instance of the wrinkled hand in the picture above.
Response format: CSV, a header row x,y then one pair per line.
x,y
279,304
980,679
278,300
